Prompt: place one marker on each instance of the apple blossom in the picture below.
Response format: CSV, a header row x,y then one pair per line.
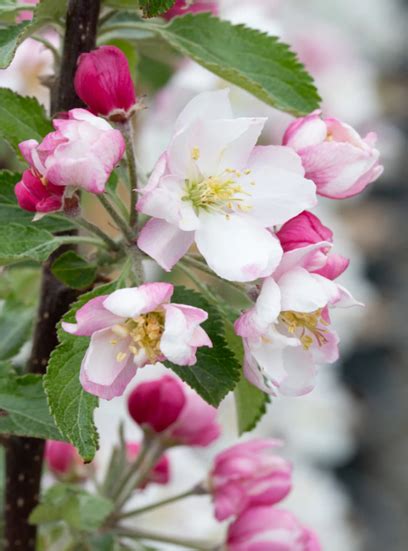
x,y
104,83
36,194
167,407
248,474
288,330
215,188
334,155
63,460
270,529
81,153
131,328
181,7
306,229
160,473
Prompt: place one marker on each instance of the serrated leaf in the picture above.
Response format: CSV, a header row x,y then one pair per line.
x,y
217,371
13,214
253,60
21,118
19,243
151,8
10,38
250,401
76,507
49,10
72,407
24,408
74,271
16,321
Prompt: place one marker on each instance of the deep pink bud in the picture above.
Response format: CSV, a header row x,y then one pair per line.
x,y
339,161
270,529
181,7
37,195
157,404
305,229
104,83
249,474
160,474
63,460
166,406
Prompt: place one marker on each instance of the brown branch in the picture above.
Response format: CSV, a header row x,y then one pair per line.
x,y
24,455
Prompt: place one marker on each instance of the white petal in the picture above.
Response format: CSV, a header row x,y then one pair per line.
x,y
305,292
276,186
134,301
237,248
208,105
268,303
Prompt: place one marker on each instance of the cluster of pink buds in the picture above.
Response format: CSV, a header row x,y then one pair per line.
x,y
64,462
182,7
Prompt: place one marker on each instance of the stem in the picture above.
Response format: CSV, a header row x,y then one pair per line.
x,y
182,542
203,288
48,45
24,455
122,225
137,476
97,231
127,132
79,239
195,491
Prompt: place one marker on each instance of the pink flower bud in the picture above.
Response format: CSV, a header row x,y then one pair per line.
x,y
249,474
25,15
270,529
181,7
167,407
306,229
334,155
160,474
63,460
104,83
81,153
38,195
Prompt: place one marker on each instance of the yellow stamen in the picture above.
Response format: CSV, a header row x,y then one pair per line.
x,y
308,323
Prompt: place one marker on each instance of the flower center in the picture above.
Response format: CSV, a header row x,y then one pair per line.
x,y
308,324
220,193
144,334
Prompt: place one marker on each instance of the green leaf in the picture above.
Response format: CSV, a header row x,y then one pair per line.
x,y
74,271
8,180
10,38
255,61
250,401
72,407
217,370
24,408
151,8
48,11
19,243
21,284
76,507
15,327
21,118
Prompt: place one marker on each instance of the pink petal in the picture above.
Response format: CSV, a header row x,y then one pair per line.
x,y
92,317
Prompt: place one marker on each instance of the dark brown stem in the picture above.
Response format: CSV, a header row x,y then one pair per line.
x,y
24,455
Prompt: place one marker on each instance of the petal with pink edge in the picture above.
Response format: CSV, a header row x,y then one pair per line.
x,y
92,317
134,301
165,243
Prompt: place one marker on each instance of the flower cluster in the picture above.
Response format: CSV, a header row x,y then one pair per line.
x,y
246,481
243,205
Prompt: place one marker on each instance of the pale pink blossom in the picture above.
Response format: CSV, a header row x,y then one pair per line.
x,y
104,83
63,460
306,229
249,474
270,529
159,474
167,407
38,195
131,328
181,7
288,331
215,187
81,153
334,155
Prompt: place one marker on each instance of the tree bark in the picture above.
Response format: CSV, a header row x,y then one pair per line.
x,y
24,456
